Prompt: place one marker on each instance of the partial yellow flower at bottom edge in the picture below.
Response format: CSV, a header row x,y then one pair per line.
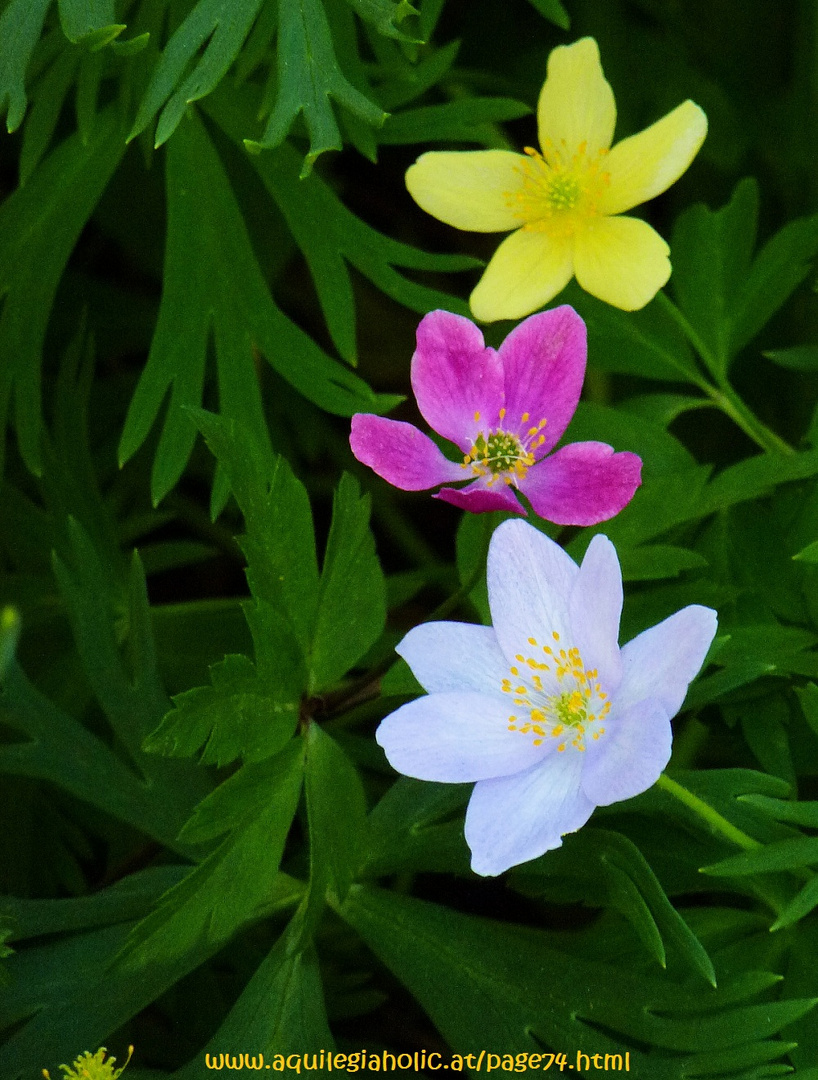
x,y
95,1066
564,200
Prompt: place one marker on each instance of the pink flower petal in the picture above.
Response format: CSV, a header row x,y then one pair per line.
x,y
479,499
401,454
582,484
456,378
543,366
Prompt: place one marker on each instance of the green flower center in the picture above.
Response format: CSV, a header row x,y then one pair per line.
x,y
563,193
558,191
562,698
500,451
503,454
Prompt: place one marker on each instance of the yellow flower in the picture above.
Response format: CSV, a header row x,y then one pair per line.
x,y
563,200
90,1066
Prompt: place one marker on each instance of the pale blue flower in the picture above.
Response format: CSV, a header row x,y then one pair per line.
x,y
543,709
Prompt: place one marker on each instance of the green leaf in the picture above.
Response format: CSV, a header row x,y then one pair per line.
x,y
386,16
738,674
728,295
496,973
648,343
755,477
256,50
212,277
765,729
809,554
629,885
193,635
471,551
282,566
805,901
808,699
89,22
724,1062
224,24
352,597
256,807
124,901
719,789
400,682
405,82
797,813
664,408
20,27
114,638
411,828
53,746
782,855
661,452
9,636
336,809
241,715
554,11
74,996
132,46
711,255
39,227
797,358
280,1011
656,561
251,709
467,120
308,76
331,236
105,616
49,98
777,270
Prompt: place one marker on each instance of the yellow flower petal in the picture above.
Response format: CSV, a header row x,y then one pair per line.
x,y
646,164
528,269
576,103
621,260
470,189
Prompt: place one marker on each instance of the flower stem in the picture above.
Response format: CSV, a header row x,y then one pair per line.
x,y
714,819
723,395
726,399
692,335
769,892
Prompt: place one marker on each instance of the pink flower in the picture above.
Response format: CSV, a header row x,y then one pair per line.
x,y
506,410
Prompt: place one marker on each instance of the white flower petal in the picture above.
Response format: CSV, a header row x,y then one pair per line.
x,y
628,758
517,818
530,579
456,737
447,656
596,605
661,662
